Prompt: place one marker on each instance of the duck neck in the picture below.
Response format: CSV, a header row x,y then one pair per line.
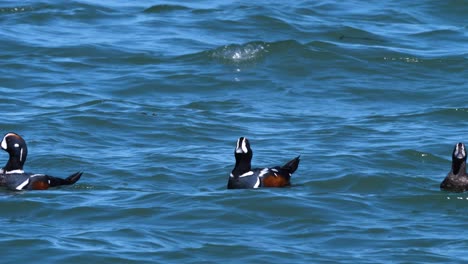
x,y
242,166
459,167
13,164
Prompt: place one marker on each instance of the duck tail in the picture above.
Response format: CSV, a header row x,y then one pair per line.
x,y
292,165
55,181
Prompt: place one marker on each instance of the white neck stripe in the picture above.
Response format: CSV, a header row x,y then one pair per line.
x,y
14,171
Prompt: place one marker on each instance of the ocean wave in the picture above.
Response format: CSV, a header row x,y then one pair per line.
x,y
162,8
18,9
74,11
255,51
238,53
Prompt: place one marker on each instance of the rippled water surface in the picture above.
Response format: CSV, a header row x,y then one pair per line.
x,y
148,98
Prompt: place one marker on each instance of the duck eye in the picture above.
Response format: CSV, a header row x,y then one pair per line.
x,y
16,145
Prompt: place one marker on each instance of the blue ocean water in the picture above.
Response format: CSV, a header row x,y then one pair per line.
x,y
149,98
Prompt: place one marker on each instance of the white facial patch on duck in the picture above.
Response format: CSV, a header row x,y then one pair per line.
x,y
238,149
460,151
241,146
21,154
4,144
244,146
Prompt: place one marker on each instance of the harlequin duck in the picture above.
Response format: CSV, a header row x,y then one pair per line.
x,y
457,179
243,177
13,176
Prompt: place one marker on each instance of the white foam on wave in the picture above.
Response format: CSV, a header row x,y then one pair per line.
x,y
241,53
458,198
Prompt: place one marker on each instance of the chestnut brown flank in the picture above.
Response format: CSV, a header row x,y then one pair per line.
x,y
40,186
271,180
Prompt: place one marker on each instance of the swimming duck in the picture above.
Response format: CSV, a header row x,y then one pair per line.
x,y
243,177
457,179
12,174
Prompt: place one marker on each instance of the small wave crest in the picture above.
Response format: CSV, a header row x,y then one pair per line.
x,y
165,8
18,9
241,52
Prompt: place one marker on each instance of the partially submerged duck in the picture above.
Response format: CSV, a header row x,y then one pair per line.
x,y
13,176
243,177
